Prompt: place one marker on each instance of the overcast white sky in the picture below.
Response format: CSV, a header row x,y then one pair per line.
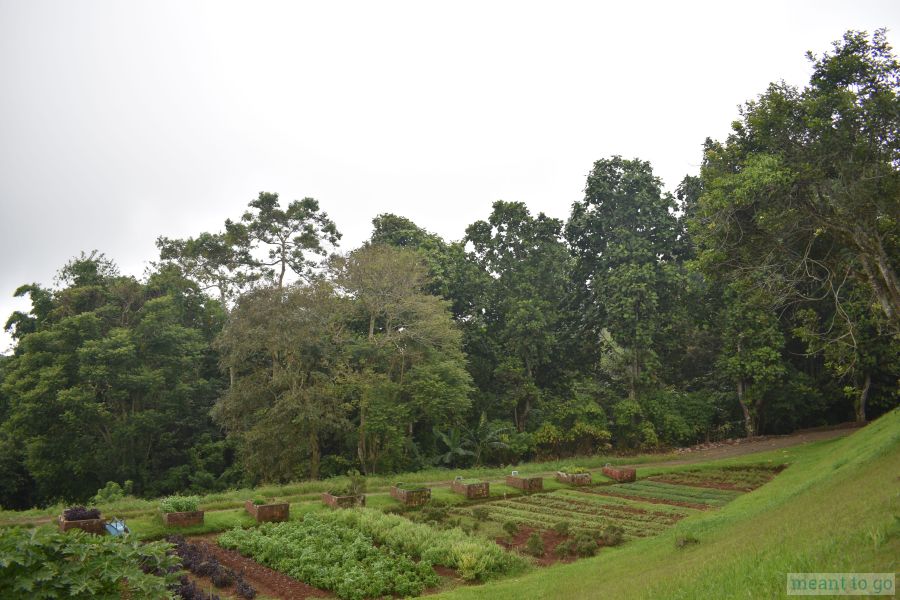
x,y
122,121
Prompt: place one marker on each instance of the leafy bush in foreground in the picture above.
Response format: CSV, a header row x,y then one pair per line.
x,y
332,556
41,563
475,558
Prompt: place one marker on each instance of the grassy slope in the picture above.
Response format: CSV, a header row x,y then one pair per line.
x,y
836,508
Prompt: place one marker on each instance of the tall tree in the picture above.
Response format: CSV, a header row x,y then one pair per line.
x,y
524,264
285,347
287,238
408,364
624,237
805,192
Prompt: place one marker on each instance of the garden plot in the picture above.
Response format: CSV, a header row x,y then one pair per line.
x,y
743,478
363,553
585,511
658,492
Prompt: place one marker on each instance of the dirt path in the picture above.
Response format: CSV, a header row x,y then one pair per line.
x,y
743,447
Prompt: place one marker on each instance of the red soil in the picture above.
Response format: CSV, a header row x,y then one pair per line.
x,y
266,581
550,538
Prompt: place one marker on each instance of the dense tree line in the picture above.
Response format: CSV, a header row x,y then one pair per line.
x,y
760,297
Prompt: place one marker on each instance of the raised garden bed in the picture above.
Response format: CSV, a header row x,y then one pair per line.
x,y
411,495
471,488
183,519
343,501
526,484
95,526
620,474
277,511
573,478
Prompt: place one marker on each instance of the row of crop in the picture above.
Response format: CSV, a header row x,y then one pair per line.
x,y
542,518
593,521
687,490
475,558
333,556
666,491
600,497
744,478
611,511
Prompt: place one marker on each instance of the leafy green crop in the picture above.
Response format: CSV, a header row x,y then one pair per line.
x,y
333,556
43,564
179,504
475,558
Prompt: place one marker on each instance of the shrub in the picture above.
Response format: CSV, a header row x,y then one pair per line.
x,y
612,535
244,589
258,501
80,513
585,544
480,513
562,528
222,577
566,548
179,504
570,470
535,545
111,492
511,528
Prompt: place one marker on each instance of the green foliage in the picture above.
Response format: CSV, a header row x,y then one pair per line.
x,y
476,558
179,504
562,527
112,492
573,470
565,548
511,528
333,556
108,365
40,563
612,536
585,544
535,545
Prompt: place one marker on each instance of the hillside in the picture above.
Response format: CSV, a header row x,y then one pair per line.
x,y
834,509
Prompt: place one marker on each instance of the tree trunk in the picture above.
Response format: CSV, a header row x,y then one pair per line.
x,y
748,422
315,455
861,401
361,444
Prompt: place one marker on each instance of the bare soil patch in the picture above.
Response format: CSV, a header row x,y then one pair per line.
x,y
550,538
266,581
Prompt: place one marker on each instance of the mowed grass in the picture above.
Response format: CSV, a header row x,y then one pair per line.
x,y
835,509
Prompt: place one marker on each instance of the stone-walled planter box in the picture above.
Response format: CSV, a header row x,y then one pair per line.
x,y
574,478
526,484
95,526
278,511
481,489
620,474
183,519
411,497
343,501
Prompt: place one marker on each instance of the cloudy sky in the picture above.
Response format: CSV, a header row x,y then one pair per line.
x,y
122,121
